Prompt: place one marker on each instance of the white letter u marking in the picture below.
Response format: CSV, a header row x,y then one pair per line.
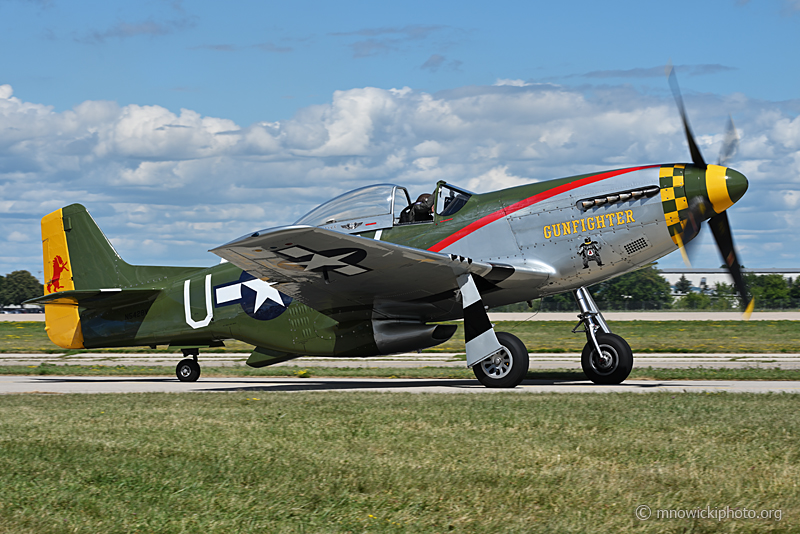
x,y
187,305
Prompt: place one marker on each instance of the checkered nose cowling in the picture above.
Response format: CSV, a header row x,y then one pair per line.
x,y
692,194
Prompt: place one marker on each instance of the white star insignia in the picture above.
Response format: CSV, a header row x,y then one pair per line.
x,y
264,291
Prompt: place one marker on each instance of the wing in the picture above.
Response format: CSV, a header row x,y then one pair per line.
x,y
348,276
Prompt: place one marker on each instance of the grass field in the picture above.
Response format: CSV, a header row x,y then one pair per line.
x,y
544,336
362,462
638,373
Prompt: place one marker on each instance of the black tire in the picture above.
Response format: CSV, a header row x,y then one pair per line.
x,y
188,370
616,364
507,369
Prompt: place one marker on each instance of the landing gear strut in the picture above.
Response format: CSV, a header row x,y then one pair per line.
x,y
606,357
498,359
188,370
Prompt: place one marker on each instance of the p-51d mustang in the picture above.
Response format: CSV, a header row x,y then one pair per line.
x,y
371,273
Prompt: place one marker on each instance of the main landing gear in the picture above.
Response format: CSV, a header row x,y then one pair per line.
x,y
507,368
188,370
498,359
606,357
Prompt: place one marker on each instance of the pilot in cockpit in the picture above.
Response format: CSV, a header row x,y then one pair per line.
x,y
419,211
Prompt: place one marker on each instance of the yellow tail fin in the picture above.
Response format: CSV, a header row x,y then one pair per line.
x,y
62,321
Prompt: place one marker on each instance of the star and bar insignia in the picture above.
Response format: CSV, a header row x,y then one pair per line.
x,y
343,261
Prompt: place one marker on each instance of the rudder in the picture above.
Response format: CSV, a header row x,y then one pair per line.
x,y
62,321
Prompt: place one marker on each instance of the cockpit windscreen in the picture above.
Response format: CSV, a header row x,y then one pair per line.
x,y
370,201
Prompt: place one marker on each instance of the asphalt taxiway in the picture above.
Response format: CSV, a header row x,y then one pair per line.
x,y
83,384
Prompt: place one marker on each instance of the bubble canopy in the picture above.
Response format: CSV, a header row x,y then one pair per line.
x,y
372,201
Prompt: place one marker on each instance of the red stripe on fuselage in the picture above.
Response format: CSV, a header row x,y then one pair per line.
x,y
544,195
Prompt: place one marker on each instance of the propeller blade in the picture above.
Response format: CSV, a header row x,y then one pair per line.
x,y
690,251
697,157
721,229
719,224
729,145
682,248
686,238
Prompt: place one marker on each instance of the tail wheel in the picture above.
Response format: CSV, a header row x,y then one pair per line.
x,y
613,365
507,368
188,370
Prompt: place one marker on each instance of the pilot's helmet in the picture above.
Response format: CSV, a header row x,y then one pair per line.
x,y
588,241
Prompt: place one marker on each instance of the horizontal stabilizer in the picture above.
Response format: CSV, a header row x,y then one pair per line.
x,y
97,298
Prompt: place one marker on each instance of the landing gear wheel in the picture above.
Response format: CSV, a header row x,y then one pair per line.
x,y
506,369
188,370
613,365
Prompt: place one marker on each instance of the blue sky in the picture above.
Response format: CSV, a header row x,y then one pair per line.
x,y
181,125
250,61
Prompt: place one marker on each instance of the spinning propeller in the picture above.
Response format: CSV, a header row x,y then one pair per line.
x,y
710,190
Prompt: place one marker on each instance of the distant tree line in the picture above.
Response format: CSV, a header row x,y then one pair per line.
x,y
19,286
770,291
646,289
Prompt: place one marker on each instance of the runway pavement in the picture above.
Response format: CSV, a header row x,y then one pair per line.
x,y
79,384
168,383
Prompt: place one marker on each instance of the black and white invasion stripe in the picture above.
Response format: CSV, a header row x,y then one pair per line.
x,y
481,341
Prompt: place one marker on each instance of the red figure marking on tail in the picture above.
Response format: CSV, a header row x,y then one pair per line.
x,y
59,266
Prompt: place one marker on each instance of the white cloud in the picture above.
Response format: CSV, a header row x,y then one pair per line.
x,y
787,133
429,148
512,83
18,237
427,164
496,178
790,198
163,174
153,132
190,182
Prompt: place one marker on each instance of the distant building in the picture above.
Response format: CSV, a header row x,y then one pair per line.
x,y
25,308
710,277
